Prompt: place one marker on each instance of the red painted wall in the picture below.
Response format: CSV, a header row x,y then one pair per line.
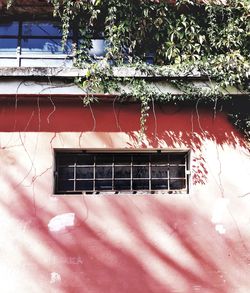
x,y
197,242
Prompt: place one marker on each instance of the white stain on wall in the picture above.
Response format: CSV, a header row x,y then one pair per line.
x,y
61,222
218,214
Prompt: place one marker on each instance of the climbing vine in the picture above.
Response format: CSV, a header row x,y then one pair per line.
x,y
209,38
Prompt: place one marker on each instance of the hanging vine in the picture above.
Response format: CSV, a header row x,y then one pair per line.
x,y
184,37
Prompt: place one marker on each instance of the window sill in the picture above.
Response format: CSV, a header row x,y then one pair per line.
x,y
121,193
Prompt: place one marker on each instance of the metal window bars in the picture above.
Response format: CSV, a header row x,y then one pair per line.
x,y
121,172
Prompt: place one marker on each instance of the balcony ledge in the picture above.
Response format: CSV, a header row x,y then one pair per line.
x,y
121,71
160,84
41,71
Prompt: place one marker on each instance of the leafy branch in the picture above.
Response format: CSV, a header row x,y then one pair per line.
x,y
210,38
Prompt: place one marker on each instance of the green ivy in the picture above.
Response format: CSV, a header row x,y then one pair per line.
x,y
189,36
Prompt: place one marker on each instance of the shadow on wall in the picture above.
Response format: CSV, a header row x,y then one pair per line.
x,y
114,244
189,126
168,126
173,125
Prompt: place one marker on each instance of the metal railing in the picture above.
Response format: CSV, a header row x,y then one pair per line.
x,y
43,59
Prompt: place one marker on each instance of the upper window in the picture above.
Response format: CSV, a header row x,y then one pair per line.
x,y
94,172
23,42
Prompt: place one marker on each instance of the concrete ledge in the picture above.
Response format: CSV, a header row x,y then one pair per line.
x,y
59,86
121,71
41,71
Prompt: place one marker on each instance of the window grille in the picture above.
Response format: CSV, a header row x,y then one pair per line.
x,y
94,172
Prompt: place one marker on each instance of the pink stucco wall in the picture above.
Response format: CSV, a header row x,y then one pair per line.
x,y
196,242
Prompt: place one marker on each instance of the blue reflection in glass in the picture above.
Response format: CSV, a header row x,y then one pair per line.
x,y
51,46
8,45
42,29
9,29
37,37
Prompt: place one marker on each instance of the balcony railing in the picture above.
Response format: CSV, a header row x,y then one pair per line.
x,y
19,59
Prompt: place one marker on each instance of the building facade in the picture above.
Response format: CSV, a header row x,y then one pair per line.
x,y
90,205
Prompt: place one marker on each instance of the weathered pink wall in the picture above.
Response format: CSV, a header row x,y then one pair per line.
x,y
122,243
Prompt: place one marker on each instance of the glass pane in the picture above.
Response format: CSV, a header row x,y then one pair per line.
x,y
104,159
50,46
8,45
176,158
159,158
141,172
84,185
122,172
103,185
66,173
85,159
177,184
122,159
42,29
103,172
65,185
159,184
84,173
140,184
140,159
177,171
159,172
122,185
66,159
9,29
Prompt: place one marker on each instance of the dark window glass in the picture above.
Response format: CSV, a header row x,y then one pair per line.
x,y
65,185
122,171
159,172
66,159
9,29
103,172
140,159
177,171
177,184
140,172
84,185
85,159
122,159
84,172
122,185
176,159
103,159
94,172
159,158
140,184
159,184
66,173
103,185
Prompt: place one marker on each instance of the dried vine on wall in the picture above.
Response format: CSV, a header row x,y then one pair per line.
x,y
183,37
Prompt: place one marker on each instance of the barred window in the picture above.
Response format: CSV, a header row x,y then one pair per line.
x,y
94,172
